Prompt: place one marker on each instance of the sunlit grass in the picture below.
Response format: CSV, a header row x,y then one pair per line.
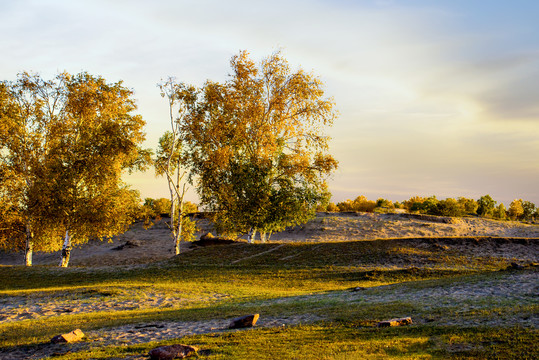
x,y
330,341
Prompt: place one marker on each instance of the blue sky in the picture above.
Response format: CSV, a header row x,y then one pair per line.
x,y
435,97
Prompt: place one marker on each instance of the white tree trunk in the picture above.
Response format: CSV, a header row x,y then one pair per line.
x,y
173,171
66,250
178,238
29,251
251,236
262,237
172,226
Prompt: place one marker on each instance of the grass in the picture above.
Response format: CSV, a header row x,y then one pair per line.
x,y
397,277
334,341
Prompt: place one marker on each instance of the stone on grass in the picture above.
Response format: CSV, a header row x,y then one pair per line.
x,y
176,351
395,322
358,288
244,321
74,336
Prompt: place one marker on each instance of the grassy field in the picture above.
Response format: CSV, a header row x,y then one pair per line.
x,y
315,300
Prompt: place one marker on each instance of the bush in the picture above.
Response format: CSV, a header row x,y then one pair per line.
x,y
470,205
161,206
413,204
189,207
450,207
515,209
486,206
500,212
529,210
384,203
332,207
359,204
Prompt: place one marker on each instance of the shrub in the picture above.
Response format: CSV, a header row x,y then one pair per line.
x,y
470,205
486,205
332,207
189,207
450,207
500,212
358,204
384,203
529,210
515,209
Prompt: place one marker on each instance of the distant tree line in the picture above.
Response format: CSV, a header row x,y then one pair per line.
x,y
485,206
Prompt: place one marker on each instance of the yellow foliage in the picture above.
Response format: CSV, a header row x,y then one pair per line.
x,y
68,141
257,146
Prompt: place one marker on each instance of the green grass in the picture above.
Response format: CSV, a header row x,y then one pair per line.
x,y
288,280
333,341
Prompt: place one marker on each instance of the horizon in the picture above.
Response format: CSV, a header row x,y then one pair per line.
x,y
434,99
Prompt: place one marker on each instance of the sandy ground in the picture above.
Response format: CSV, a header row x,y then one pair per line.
x,y
156,244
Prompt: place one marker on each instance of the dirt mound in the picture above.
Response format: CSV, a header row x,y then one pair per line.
x,y
139,245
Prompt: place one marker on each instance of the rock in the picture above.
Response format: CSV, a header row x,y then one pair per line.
x,y
515,266
176,351
74,336
395,322
244,321
357,288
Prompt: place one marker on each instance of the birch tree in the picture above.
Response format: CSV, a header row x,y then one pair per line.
x,y
257,146
31,114
69,139
170,158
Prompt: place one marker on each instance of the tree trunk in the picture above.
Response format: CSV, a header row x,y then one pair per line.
x,y
66,250
29,251
178,238
251,236
172,225
262,237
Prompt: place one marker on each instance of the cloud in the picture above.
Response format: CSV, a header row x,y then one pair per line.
x,y
515,97
502,87
431,95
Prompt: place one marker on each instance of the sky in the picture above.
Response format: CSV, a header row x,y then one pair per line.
x,y
434,97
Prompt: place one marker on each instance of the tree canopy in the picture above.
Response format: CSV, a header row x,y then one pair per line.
x,y
257,148
68,141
